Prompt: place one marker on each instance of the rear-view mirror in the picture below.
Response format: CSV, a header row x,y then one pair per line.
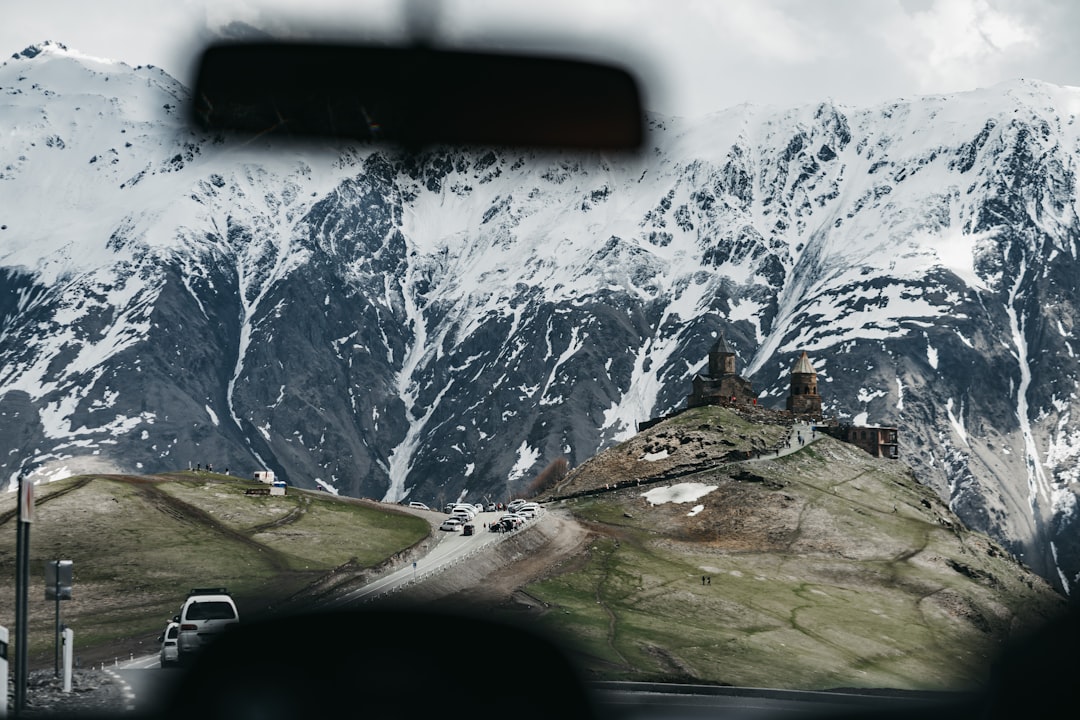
x,y
416,96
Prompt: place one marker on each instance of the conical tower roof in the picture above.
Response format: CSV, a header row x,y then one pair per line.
x,y
802,365
721,345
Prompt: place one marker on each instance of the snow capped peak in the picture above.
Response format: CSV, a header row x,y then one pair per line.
x,y
32,51
52,49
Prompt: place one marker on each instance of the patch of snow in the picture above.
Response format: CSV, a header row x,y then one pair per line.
x,y
326,486
653,457
957,420
680,493
527,457
213,415
865,395
861,419
695,510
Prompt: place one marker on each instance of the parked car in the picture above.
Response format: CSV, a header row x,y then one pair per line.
x,y
450,524
205,613
170,653
492,507
418,505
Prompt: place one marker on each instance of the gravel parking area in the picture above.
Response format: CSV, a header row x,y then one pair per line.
x,y
92,691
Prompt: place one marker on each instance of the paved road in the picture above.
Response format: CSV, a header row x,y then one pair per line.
x,y
649,701
451,548
145,690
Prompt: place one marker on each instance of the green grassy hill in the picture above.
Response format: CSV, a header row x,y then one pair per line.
x,y
826,568
140,543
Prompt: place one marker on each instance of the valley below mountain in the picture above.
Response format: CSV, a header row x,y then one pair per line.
x,y
664,558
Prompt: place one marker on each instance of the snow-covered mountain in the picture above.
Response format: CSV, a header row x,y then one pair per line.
x,y
446,326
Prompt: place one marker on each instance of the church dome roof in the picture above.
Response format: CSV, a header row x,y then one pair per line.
x,y
802,365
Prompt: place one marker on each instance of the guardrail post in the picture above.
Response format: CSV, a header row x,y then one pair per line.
x,y
69,648
3,671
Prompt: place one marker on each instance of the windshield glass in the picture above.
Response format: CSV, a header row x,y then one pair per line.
x,y
792,387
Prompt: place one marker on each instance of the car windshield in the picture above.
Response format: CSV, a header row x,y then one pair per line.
x,y
792,386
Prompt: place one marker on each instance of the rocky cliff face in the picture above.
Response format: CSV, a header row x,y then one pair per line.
x,y
445,326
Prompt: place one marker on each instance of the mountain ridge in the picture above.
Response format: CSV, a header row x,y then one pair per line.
x,y
447,324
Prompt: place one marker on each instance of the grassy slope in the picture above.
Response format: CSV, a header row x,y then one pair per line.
x,y
138,545
829,568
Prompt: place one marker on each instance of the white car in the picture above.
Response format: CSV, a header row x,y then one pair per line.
x,y
451,523
418,505
514,505
205,613
170,653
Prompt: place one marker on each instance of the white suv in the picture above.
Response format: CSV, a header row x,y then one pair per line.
x,y
168,654
205,613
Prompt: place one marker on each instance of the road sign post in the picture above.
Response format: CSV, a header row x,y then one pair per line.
x,y
58,577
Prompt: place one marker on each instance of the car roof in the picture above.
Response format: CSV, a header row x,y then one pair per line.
x,y
192,599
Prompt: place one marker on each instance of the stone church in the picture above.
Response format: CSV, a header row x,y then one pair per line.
x,y
721,384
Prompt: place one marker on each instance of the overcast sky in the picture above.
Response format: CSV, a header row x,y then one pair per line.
x,y
694,56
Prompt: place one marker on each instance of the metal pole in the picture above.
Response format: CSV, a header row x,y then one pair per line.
x,y
22,585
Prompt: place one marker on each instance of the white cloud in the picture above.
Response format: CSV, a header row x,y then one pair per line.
x,y
960,44
695,56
